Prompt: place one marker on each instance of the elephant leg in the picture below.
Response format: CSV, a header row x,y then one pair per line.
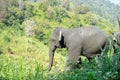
x,y
73,58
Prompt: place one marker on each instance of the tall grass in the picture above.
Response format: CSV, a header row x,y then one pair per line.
x,y
20,69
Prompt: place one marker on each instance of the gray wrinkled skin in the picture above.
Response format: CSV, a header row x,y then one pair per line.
x,y
86,41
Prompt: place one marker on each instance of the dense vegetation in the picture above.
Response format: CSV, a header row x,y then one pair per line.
x,y
103,8
25,30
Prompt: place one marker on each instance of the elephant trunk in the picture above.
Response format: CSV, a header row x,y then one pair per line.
x,y
51,56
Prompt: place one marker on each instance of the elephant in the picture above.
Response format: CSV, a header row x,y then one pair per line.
x,y
86,41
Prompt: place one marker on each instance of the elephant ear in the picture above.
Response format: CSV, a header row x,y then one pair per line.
x,y
60,35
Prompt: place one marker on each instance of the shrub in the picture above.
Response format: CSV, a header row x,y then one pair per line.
x,y
83,9
60,13
50,13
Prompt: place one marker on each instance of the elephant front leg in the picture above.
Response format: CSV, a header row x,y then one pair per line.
x,y
73,59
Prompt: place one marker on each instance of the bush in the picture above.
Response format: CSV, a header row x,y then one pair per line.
x,y
43,6
2,26
83,9
60,13
50,13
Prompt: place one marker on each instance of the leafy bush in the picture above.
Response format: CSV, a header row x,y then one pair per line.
x,y
50,13
82,9
43,6
60,13
2,26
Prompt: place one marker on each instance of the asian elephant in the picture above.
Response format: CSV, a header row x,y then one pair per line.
x,y
86,41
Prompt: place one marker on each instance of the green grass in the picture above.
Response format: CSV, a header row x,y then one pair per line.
x,y
20,69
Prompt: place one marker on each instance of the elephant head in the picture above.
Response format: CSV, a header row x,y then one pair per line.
x,y
57,41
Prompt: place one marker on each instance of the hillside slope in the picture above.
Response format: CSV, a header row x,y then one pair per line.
x,y
104,8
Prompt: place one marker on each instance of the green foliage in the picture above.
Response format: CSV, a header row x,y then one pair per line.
x,y
50,13
60,13
42,32
14,69
119,22
2,26
43,6
15,14
110,65
103,8
53,2
82,9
